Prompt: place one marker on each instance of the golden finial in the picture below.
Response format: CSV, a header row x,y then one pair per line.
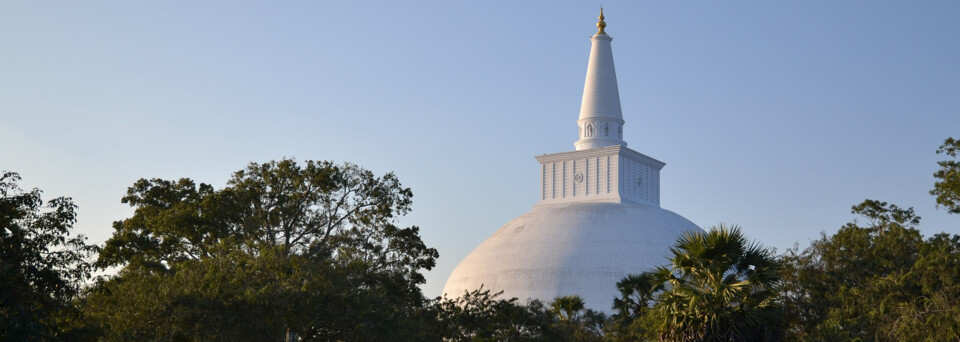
x,y
601,24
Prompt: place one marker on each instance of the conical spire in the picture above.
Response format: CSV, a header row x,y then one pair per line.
x,y
601,121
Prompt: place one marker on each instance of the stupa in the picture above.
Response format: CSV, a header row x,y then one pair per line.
x,y
598,217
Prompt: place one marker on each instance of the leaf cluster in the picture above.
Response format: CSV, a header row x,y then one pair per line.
x,y
311,247
42,267
947,186
717,287
479,315
881,282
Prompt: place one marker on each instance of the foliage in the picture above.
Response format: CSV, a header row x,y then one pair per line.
x,y
238,296
881,281
479,316
947,188
634,319
42,267
319,209
311,246
310,251
720,287
717,287
574,321
637,294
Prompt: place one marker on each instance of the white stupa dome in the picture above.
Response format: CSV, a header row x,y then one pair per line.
x,y
598,218
572,248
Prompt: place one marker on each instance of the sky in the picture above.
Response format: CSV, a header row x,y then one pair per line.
x,y
776,116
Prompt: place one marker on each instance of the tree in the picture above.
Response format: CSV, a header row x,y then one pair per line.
x,y
479,315
42,268
947,188
567,308
312,245
634,319
574,321
310,210
933,281
879,281
718,287
828,284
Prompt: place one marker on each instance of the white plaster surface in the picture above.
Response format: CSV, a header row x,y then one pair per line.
x,y
605,174
601,119
598,217
570,248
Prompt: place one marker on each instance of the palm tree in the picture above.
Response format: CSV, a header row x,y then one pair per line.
x,y
567,308
635,319
718,287
574,321
637,293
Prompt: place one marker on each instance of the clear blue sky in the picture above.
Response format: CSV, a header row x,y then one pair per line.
x,y
777,116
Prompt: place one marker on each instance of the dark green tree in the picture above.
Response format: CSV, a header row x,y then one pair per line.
x,y
880,281
635,319
717,287
930,312
567,308
312,245
829,284
479,315
574,321
947,187
42,267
